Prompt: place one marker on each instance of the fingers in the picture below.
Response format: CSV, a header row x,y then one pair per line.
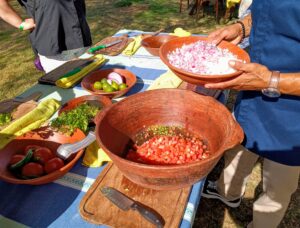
x,y
217,36
219,85
246,67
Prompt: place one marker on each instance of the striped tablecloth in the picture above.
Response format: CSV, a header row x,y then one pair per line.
x,y
56,204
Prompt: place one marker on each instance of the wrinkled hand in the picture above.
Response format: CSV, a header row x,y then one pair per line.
x,y
254,77
29,24
232,33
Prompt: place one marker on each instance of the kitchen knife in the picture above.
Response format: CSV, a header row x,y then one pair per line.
x,y
76,69
125,203
8,106
93,49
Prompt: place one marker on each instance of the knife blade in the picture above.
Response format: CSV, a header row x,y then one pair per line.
x,y
125,203
93,49
9,105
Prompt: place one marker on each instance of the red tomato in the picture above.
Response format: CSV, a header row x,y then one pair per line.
x,y
30,147
32,169
42,155
16,158
53,164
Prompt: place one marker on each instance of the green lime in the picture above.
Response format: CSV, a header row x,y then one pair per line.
x,y
122,86
98,85
105,85
108,89
103,80
115,85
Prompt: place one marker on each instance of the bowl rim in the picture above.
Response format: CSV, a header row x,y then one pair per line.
x,y
107,102
144,40
194,75
100,116
101,92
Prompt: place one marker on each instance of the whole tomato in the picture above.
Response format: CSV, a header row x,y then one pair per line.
x,y
42,155
32,169
16,158
30,147
53,165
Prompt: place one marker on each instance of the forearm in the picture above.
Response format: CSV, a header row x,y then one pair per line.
x,y
8,14
247,20
290,83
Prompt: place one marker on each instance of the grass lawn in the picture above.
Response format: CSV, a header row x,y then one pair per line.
x,y
105,17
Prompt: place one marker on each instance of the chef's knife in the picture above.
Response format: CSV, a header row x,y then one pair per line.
x,y
93,49
9,105
76,69
125,203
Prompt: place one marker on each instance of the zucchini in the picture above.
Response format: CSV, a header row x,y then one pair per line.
x,y
24,161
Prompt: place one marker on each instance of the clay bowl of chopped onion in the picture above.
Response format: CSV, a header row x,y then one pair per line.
x,y
153,43
196,61
121,76
125,125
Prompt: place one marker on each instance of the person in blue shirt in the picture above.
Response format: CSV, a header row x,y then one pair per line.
x,y
267,108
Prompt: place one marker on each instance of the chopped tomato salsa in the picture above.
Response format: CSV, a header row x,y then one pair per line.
x,y
170,150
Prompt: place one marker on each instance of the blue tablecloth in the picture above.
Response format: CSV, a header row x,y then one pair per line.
x,y
56,204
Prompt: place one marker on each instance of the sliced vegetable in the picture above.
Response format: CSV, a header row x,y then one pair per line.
x,y
115,77
16,158
78,117
24,161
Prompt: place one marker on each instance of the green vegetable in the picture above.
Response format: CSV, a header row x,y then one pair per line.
x,y
5,118
79,117
24,161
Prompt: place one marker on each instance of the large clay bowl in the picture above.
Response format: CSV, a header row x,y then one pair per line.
x,y
199,79
201,115
88,82
153,43
42,137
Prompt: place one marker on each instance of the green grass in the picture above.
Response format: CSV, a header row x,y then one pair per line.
x,y
105,18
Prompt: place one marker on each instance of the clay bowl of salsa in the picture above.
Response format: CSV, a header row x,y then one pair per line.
x,y
37,172
119,129
214,69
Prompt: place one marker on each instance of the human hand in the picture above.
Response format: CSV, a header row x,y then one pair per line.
x,y
232,33
29,24
254,77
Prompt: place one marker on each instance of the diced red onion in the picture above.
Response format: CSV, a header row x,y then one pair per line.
x,y
202,58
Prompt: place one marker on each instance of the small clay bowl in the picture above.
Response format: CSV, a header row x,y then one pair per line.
x,y
98,100
88,82
153,43
194,78
45,137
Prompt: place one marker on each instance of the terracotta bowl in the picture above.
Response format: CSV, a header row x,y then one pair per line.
x,y
100,100
44,136
199,79
88,82
153,43
201,115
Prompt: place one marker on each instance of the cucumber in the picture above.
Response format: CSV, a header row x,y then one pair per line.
x,y
24,161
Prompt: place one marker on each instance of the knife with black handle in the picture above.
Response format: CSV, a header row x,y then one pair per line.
x,y
125,203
